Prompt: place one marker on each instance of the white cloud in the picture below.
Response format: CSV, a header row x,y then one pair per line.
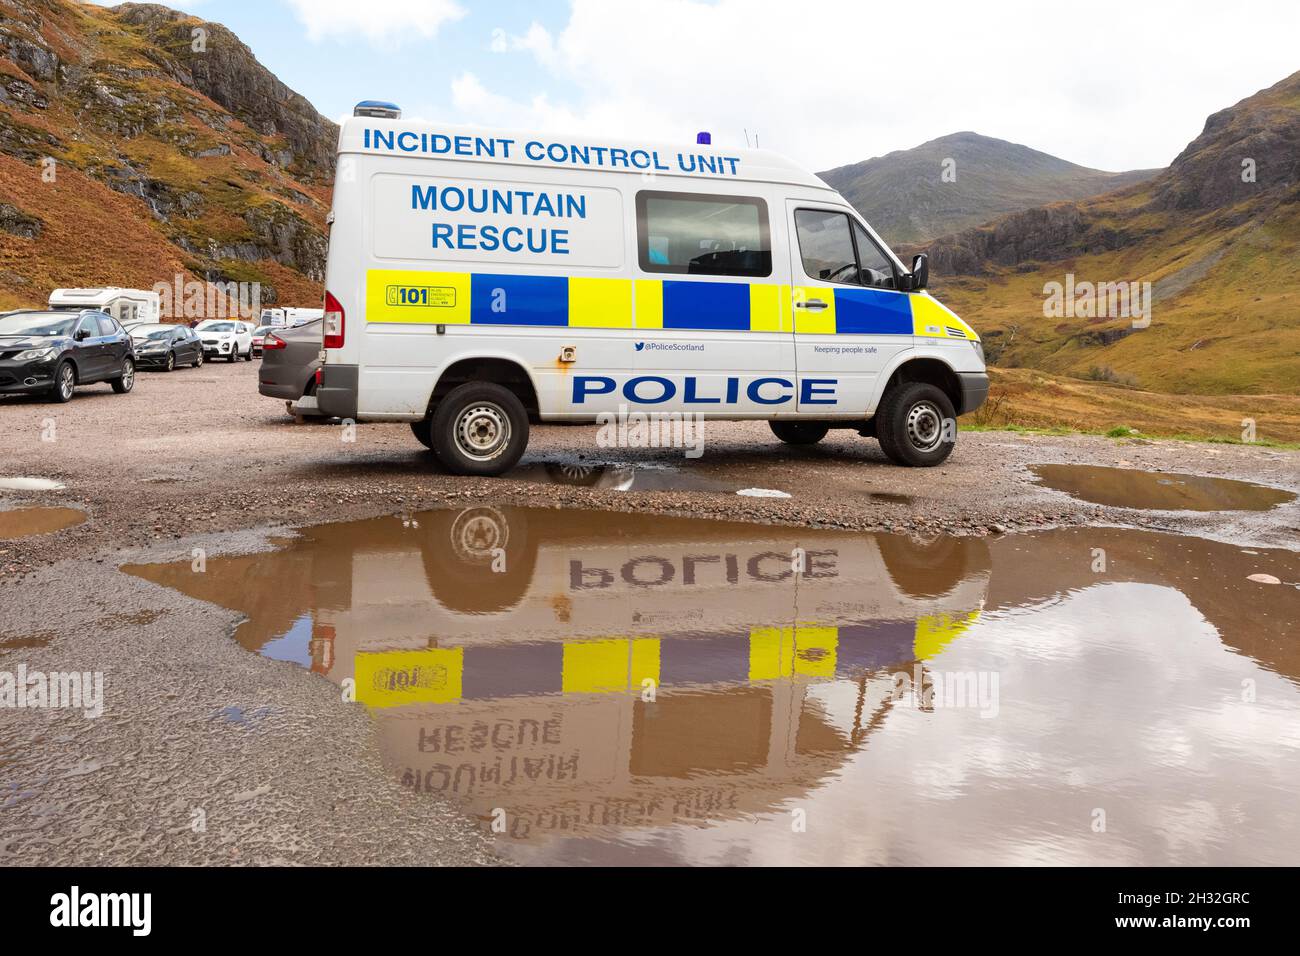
x,y
380,21
537,41
1110,84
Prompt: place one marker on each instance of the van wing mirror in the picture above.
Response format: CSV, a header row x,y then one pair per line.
x,y
920,276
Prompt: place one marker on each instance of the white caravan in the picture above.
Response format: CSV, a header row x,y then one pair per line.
x,y
128,306
479,280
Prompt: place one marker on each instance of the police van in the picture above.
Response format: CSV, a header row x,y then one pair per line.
x,y
482,280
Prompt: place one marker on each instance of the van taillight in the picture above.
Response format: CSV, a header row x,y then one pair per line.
x,y
334,323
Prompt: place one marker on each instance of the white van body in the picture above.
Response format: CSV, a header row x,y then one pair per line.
x,y
128,306
593,277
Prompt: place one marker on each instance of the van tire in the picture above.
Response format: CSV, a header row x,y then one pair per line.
x,y
906,424
799,433
480,414
423,431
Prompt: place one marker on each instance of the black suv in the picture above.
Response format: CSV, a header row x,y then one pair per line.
x,y
52,353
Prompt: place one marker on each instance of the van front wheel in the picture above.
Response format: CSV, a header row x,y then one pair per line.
x,y
916,425
479,429
799,433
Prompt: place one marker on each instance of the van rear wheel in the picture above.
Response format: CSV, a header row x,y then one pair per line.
x,y
479,428
916,425
799,433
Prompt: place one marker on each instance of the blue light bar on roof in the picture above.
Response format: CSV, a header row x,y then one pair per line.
x,y
377,109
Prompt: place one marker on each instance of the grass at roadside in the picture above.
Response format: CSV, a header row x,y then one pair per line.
x,y
1030,401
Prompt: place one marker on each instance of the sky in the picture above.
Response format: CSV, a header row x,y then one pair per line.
x,y
1112,85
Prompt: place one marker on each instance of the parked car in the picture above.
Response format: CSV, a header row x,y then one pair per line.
x,y
45,352
290,358
166,346
259,336
226,338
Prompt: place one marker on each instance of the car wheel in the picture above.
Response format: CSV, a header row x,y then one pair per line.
x,y
233,357
65,383
423,431
198,359
479,428
248,356
915,425
171,361
799,433
126,381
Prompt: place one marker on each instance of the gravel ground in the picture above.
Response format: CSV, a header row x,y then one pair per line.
x,y
280,767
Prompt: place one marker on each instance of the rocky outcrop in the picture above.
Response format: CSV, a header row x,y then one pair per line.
x,y
221,67
229,165
17,223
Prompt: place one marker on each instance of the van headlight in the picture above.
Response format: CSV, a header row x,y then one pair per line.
x,y
33,355
978,346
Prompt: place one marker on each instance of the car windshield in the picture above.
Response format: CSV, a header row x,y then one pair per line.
x,y
218,327
38,323
263,330
151,331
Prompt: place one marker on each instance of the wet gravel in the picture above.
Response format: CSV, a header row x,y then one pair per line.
x,y
279,765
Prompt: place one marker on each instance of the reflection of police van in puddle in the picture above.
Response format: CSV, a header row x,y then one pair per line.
x,y
479,280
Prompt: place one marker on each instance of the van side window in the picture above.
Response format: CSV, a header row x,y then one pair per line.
x,y
836,249
695,234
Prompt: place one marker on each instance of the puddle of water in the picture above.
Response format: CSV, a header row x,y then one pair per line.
x,y
1158,491
614,477
631,688
30,484
26,642
26,522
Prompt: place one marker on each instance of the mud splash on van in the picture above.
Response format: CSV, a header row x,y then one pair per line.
x,y
607,688
1158,491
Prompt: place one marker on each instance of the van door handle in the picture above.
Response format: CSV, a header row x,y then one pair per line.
x,y
812,305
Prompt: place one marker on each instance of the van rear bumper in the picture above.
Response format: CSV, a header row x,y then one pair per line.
x,y
974,390
336,395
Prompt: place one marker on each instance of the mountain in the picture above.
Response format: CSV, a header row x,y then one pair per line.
x,y
1217,235
906,196
138,144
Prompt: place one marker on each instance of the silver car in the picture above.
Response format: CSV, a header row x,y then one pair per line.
x,y
290,358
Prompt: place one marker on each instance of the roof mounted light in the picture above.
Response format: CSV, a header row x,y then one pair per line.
x,y
377,109
703,139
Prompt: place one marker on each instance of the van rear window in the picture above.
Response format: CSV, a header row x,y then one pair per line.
x,y
694,234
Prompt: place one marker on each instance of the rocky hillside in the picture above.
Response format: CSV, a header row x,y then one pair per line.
x,y
138,143
907,198
1217,235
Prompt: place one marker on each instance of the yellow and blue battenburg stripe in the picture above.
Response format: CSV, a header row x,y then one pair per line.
x,y
613,665
465,298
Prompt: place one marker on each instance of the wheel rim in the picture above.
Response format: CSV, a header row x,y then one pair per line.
x,y
482,431
67,381
925,426
171,361
199,362
476,534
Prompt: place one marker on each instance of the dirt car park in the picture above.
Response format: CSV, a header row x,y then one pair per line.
x,y
198,463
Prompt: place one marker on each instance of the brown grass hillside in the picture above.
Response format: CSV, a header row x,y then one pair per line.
x,y
168,159
1222,254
